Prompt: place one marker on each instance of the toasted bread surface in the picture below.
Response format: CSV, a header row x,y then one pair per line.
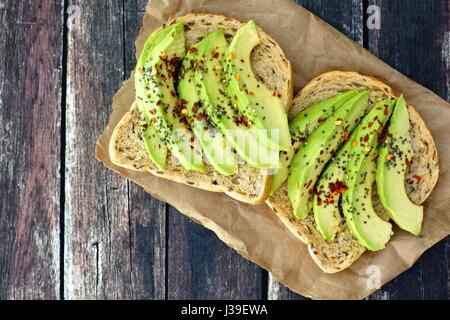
x,y
248,185
421,177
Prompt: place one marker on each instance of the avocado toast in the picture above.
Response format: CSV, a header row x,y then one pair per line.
x,y
342,246
144,130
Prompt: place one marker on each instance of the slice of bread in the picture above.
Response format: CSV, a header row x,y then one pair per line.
x,y
421,178
249,185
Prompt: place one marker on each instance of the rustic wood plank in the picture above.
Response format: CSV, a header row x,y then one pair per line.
x,y
200,266
147,215
30,143
98,262
421,51
347,17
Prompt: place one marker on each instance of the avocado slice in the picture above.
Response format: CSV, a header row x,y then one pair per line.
x,y
208,80
331,184
261,106
395,154
211,139
371,231
158,101
319,148
301,127
155,146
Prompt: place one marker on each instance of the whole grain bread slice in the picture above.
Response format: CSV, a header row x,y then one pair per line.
x,y
248,185
421,177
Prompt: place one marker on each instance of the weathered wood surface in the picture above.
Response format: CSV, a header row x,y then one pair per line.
x,y
30,142
147,216
415,39
97,254
118,242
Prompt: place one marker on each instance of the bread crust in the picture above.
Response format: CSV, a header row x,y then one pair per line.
x,y
249,185
344,249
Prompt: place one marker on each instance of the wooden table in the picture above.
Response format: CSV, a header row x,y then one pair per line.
x,y
70,228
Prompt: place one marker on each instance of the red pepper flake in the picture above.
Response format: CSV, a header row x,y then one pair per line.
x,y
366,138
346,135
193,49
378,108
418,178
240,86
216,55
370,124
251,93
237,76
192,139
158,102
243,120
319,201
386,111
276,94
153,120
235,97
321,152
407,162
153,111
354,143
321,120
337,187
173,93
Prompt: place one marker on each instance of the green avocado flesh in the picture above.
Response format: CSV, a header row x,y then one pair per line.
x,y
262,107
394,156
301,127
371,231
318,149
212,141
332,181
210,88
158,101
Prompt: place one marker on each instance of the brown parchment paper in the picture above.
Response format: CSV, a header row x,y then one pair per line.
x,y
255,232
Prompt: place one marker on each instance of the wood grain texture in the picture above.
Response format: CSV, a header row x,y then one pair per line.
x,y
200,266
415,39
147,216
30,119
347,17
97,254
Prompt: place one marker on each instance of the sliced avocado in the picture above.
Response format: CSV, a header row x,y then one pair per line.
x,y
155,147
261,106
332,182
302,126
235,127
371,231
395,154
213,142
158,101
318,149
